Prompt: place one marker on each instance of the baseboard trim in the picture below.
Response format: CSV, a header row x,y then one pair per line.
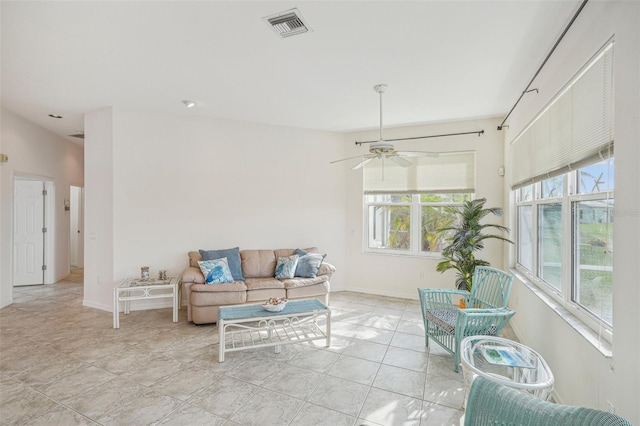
x,y
136,305
411,296
89,304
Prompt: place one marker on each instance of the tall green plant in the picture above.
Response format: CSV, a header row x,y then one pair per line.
x,y
465,237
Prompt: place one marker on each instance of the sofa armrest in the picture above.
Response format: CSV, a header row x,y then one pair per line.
x,y
192,275
326,269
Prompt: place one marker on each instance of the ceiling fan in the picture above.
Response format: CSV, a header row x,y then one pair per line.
x,y
383,149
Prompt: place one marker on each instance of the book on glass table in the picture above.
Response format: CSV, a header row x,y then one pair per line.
x,y
502,355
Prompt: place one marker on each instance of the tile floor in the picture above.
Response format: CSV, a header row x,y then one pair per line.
x,y
63,364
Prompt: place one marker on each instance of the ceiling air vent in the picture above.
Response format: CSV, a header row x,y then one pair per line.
x,y
288,23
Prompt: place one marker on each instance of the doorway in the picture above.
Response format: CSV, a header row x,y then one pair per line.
x,y
29,232
76,227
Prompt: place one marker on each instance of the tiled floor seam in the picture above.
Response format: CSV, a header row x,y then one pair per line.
x,y
404,343
58,404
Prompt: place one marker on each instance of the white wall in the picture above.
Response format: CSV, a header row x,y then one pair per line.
x,y
400,276
175,183
98,209
583,375
36,152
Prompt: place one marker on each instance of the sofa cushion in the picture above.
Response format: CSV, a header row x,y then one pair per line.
x,y
262,283
302,282
284,252
258,263
308,264
264,294
286,267
233,258
288,252
444,318
219,288
194,256
209,296
318,291
216,271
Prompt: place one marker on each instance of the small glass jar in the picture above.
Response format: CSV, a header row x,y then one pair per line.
x,y
144,273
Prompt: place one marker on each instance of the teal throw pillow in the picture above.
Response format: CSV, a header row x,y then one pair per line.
x,y
233,258
308,264
286,267
216,271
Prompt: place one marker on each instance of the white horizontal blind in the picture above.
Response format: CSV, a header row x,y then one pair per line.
x,y
451,172
576,127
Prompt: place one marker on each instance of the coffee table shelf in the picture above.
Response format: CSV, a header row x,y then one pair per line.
x,y
251,326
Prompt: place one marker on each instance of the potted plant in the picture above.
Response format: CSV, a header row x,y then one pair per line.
x,y
465,236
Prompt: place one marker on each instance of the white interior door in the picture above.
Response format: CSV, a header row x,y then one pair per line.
x,y
28,232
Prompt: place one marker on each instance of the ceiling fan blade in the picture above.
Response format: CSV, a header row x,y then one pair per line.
x,y
349,158
362,163
399,160
417,154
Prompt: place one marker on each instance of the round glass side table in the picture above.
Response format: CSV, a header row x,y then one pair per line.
x,y
505,362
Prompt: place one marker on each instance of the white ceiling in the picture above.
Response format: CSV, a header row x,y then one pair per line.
x,y
442,60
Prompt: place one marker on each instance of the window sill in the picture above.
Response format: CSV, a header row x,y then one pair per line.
x,y
580,327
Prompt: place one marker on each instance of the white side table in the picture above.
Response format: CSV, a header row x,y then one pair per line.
x,y
137,289
506,362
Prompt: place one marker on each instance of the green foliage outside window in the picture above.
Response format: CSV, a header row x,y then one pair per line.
x,y
390,220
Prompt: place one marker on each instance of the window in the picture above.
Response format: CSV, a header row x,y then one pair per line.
x,y
525,234
433,217
405,206
550,244
564,193
578,223
390,218
592,224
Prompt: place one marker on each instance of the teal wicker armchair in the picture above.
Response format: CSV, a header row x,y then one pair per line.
x,y
493,404
447,325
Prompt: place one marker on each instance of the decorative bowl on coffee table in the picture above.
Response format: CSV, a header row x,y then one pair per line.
x,y
275,304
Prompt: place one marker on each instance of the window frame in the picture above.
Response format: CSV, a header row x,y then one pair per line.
x,y
415,223
565,295
367,205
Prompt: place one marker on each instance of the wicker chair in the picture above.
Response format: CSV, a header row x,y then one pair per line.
x,y
491,403
447,325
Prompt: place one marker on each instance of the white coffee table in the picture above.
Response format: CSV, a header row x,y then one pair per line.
x,y
243,327
137,289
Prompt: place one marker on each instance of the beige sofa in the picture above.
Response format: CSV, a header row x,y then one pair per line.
x,y
259,285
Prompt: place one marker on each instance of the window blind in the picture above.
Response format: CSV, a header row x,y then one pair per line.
x,y
451,172
574,129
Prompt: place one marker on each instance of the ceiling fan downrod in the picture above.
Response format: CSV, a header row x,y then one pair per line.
x,y
380,88
382,149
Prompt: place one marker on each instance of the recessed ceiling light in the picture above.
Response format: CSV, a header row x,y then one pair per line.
x,y
55,116
189,104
